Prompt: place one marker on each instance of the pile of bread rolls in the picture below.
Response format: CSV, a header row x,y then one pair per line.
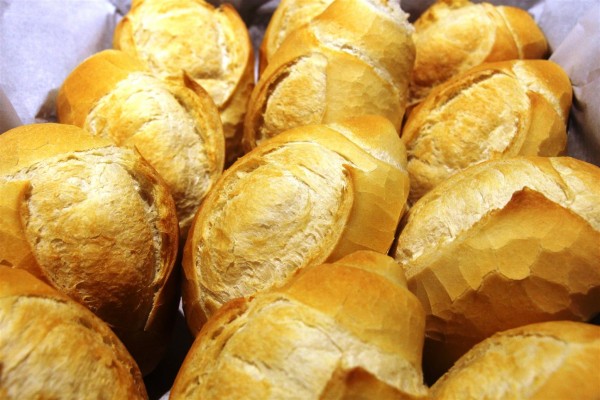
x,y
384,212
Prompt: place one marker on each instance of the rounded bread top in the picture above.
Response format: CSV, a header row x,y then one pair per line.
x,y
66,197
556,359
299,337
52,347
310,195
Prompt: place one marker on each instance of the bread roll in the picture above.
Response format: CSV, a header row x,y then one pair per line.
x,y
551,360
314,338
453,36
288,16
313,194
353,59
502,244
96,222
496,110
53,348
174,127
210,44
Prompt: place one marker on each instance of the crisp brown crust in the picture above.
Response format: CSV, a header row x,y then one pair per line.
x,y
539,361
52,347
69,197
496,110
210,44
453,36
311,195
174,125
313,337
502,244
353,59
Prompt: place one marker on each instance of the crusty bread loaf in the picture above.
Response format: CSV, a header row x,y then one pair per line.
x,y
53,348
313,194
288,16
176,128
210,44
495,110
502,244
453,36
550,360
95,221
353,59
350,327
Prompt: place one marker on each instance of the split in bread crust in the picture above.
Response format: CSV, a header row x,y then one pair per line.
x,y
52,347
313,338
315,193
453,36
355,58
496,110
173,124
96,222
502,244
540,361
211,45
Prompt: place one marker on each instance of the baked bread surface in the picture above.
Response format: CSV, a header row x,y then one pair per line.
x,y
502,244
453,36
550,360
315,194
353,59
313,338
496,110
210,44
96,222
51,347
173,124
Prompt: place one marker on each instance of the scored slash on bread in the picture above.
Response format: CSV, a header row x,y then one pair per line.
x,y
312,194
96,222
453,36
495,110
210,45
53,347
174,124
354,59
346,327
502,244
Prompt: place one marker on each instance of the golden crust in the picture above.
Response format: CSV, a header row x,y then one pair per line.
x,y
288,16
313,337
353,59
304,197
496,110
210,44
174,124
453,36
502,244
52,347
546,360
68,197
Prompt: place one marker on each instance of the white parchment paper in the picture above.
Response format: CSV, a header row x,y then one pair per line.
x,y
41,41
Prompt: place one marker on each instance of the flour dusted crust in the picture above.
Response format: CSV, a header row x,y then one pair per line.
x,y
174,124
96,222
503,244
453,36
314,194
313,338
354,59
556,359
496,110
52,347
211,45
